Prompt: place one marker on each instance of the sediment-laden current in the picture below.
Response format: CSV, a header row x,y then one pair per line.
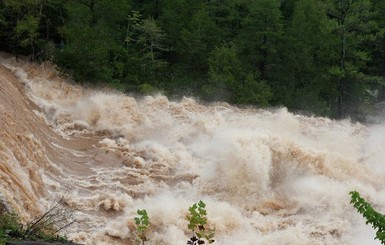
x,y
267,176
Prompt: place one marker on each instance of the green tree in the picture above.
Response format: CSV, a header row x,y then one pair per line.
x,y
260,36
287,7
355,28
29,26
149,9
228,16
199,38
225,74
176,16
376,66
94,39
146,39
228,81
27,32
304,83
189,32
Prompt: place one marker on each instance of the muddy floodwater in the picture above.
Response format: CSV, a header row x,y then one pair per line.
x,y
267,176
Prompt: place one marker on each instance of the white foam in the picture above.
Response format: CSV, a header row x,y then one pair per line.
x,y
268,177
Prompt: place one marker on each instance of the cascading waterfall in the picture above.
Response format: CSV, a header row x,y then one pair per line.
x,y
267,176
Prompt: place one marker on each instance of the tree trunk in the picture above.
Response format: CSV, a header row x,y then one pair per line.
x,y
342,81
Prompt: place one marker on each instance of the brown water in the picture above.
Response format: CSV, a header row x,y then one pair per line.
x,y
267,177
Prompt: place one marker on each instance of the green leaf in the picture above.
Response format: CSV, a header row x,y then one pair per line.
x,y
372,217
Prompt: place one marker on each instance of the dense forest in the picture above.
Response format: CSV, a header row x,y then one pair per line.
x,y
321,56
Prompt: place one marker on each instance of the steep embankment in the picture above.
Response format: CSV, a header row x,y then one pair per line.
x,y
35,160
268,177
21,155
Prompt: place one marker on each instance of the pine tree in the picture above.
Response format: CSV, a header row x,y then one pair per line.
x,y
355,28
307,56
260,36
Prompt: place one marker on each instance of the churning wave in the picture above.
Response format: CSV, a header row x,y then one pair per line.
x,y
267,176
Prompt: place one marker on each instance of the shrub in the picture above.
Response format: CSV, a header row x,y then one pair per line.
x,y
198,225
142,223
10,226
376,219
46,227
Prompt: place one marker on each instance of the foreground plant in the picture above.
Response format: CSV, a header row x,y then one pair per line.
x,y
10,227
376,219
46,227
198,225
142,223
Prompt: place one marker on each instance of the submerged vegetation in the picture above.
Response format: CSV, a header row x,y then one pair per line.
x,y
320,56
142,223
198,225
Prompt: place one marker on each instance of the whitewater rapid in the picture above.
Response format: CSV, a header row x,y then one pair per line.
x,y
267,176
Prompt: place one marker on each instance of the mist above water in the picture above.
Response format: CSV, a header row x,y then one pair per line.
x,y
267,176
